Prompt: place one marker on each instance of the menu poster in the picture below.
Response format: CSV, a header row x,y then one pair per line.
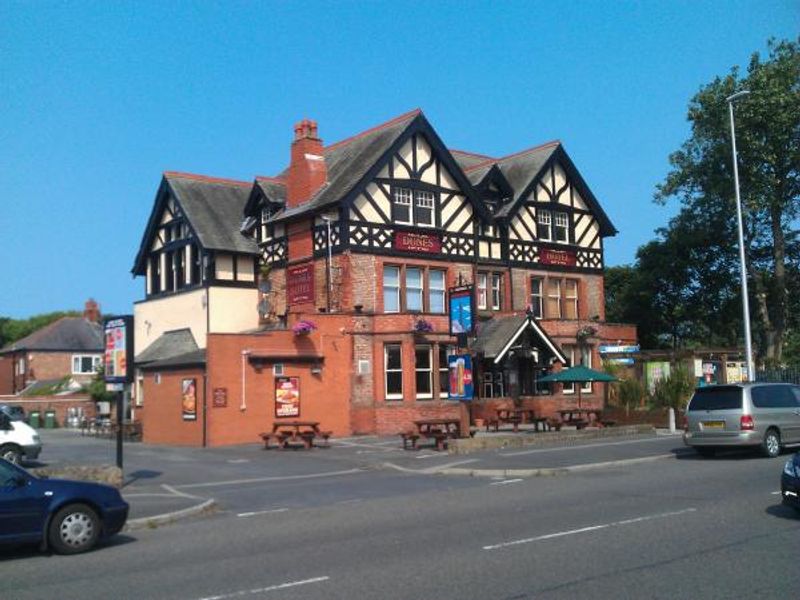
x,y
118,350
460,371
189,399
287,396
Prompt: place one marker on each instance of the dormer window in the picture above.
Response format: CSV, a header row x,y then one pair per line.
x,y
413,207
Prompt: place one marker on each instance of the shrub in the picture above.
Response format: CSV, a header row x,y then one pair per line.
x,y
674,390
631,393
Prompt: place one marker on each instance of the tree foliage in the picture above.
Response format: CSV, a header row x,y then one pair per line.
x,y
12,330
684,289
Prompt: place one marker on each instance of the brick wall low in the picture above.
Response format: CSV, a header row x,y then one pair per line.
x,y
59,404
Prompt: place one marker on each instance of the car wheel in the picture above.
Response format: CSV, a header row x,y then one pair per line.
x,y
74,529
771,446
11,453
705,451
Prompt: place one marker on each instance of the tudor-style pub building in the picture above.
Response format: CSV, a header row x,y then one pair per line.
x,y
335,274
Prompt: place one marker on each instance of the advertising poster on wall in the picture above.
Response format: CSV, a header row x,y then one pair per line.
x,y
287,396
461,310
189,399
654,372
118,342
460,371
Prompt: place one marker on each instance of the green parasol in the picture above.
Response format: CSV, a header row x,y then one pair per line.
x,y
577,374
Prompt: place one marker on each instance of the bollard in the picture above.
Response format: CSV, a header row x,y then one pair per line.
x,y
672,420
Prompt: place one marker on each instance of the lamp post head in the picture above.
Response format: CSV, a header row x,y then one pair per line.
x,y
737,95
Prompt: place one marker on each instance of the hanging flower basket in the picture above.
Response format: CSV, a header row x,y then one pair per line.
x,y
423,326
585,333
304,327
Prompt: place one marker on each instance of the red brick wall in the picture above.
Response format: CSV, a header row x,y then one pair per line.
x,y
59,404
7,364
162,412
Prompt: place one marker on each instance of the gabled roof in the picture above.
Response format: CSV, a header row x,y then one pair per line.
x,y
213,208
67,334
168,345
195,358
270,189
497,336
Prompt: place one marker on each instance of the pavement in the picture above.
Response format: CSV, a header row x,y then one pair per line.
x,y
164,483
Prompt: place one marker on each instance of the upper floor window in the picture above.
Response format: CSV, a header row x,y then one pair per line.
x,y
537,297
155,273
544,222
497,291
561,228
413,289
571,299
85,364
391,289
554,299
413,207
436,289
482,291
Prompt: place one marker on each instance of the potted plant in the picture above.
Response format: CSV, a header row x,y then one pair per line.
x,y
585,333
304,327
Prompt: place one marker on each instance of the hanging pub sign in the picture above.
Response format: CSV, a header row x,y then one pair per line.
x,y
189,399
417,242
118,349
300,284
461,308
287,396
565,258
460,377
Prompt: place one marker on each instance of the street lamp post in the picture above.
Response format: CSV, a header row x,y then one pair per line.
x,y
748,342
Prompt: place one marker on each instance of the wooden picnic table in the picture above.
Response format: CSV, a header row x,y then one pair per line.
x,y
294,432
580,417
440,430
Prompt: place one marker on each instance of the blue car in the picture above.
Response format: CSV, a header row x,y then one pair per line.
x,y
67,516
790,482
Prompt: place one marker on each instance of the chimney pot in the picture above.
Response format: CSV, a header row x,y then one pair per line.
x,y
307,173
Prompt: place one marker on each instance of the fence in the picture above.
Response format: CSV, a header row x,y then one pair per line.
x,y
779,375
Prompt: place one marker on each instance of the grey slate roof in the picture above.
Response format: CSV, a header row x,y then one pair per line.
x,y
274,190
215,209
495,333
69,334
466,160
196,358
168,345
348,161
521,169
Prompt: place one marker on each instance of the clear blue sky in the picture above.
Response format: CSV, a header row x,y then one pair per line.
x,y
97,99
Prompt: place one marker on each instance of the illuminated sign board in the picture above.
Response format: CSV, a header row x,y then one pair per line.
x,y
462,310
118,354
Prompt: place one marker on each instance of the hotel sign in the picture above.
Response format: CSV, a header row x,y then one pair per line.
x,y
417,242
565,258
300,284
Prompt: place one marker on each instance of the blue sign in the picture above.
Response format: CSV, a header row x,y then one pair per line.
x,y
461,310
460,377
618,349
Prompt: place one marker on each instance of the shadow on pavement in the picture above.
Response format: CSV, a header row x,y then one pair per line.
x,y
140,475
783,512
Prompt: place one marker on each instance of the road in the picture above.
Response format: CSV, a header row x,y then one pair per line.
x,y
679,527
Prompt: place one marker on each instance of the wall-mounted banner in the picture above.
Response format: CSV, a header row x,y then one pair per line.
x,y
287,396
417,242
564,258
300,284
220,398
462,309
617,349
460,371
118,335
189,399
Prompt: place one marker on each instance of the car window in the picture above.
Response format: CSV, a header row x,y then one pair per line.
x,y
719,397
796,392
773,396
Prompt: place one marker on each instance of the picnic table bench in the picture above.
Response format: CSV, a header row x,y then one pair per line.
x,y
439,430
286,433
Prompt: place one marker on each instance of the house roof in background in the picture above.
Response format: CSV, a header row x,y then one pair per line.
x,y
67,334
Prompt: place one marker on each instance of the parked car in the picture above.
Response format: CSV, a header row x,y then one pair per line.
x,y
758,415
15,411
67,516
18,439
790,482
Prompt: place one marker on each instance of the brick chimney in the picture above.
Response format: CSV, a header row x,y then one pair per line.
x,y
91,311
307,171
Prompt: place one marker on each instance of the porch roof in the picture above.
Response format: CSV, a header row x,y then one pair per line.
x,y
497,336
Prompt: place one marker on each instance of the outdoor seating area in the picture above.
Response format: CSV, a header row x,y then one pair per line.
x,y
106,428
438,430
288,434
516,417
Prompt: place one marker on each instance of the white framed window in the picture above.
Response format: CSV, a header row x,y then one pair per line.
x,y
561,229
85,364
436,290
423,371
402,206
444,370
21,366
423,210
571,298
554,299
391,289
579,355
414,289
544,222
393,371
537,297
482,291
497,292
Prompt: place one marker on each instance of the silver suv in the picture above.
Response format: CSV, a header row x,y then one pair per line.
x,y
762,415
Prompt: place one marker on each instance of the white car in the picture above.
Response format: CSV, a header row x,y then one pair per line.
x,y
18,439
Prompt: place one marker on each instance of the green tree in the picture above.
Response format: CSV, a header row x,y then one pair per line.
x,y
12,330
768,142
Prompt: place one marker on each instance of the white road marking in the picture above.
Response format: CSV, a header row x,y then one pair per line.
x,y
775,493
262,512
175,492
580,447
236,461
280,586
559,534
265,479
506,481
